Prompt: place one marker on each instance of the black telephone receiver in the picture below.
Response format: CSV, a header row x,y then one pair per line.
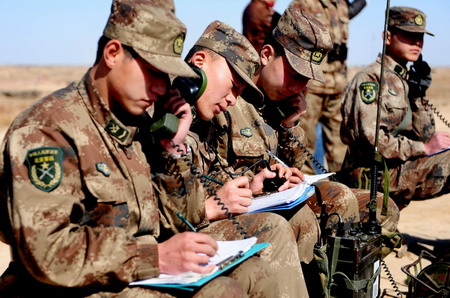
x,y
190,89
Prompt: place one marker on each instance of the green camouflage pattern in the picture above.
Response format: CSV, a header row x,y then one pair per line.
x,y
305,40
153,31
408,19
233,46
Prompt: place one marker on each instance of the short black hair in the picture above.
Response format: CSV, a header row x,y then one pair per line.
x,y
103,40
278,48
197,48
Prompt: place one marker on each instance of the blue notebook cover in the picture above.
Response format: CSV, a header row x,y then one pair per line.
x,y
192,286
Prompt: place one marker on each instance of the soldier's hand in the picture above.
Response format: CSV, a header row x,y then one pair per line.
x,y
257,183
298,107
419,78
296,178
439,141
186,251
235,194
178,106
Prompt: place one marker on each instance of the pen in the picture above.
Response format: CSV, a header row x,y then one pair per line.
x,y
213,180
277,159
186,222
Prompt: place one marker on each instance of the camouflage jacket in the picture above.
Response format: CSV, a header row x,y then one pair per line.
x,y
359,112
242,137
82,207
335,16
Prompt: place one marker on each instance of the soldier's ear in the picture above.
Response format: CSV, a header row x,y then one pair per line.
x,y
112,52
267,53
388,37
198,59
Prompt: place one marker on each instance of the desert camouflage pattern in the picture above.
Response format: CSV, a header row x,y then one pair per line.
x,y
153,31
408,19
333,14
412,174
257,22
89,219
281,254
242,139
305,40
233,46
324,98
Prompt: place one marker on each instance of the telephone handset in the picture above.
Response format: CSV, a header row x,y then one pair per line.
x,y
190,89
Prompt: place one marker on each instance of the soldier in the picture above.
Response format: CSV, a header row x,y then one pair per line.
x,y
258,20
324,98
408,142
228,61
289,58
82,217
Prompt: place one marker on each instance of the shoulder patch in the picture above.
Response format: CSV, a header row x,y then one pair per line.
x,y
45,167
368,91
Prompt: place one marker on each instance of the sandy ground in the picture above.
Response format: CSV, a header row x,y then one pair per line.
x,y
424,224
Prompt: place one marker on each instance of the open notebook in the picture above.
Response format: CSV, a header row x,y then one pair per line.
x,y
288,198
230,253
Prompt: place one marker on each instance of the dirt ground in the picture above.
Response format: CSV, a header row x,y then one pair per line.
x,y
424,224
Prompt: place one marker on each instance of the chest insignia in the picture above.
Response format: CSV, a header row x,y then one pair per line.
x,y
368,91
246,132
103,168
45,168
392,92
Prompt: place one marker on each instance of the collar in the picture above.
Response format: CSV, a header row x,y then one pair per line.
x,y
393,66
102,114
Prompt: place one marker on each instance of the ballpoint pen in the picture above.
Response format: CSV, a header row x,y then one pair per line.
x,y
277,159
186,222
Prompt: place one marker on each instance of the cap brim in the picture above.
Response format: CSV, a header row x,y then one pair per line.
x,y
249,81
305,68
414,29
171,65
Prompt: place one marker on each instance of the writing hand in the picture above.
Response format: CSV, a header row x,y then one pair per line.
x,y
186,251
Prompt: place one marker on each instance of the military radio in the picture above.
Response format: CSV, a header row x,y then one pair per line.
x,y
354,258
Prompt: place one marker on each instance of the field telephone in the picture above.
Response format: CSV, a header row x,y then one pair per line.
x,y
190,89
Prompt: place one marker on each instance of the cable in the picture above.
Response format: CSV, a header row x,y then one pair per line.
x,y
307,152
434,109
212,192
391,279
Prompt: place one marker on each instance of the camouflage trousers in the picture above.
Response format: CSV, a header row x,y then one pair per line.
x,y
306,230
326,109
281,254
252,278
350,204
420,178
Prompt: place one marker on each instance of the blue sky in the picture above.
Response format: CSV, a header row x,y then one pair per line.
x,y
55,32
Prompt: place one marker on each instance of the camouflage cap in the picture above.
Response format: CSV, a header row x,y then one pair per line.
x,y
305,40
234,47
408,19
153,31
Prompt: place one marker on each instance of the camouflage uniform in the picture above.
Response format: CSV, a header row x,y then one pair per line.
x,y
324,98
412,174
258,20
242,137
281,255
82,215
